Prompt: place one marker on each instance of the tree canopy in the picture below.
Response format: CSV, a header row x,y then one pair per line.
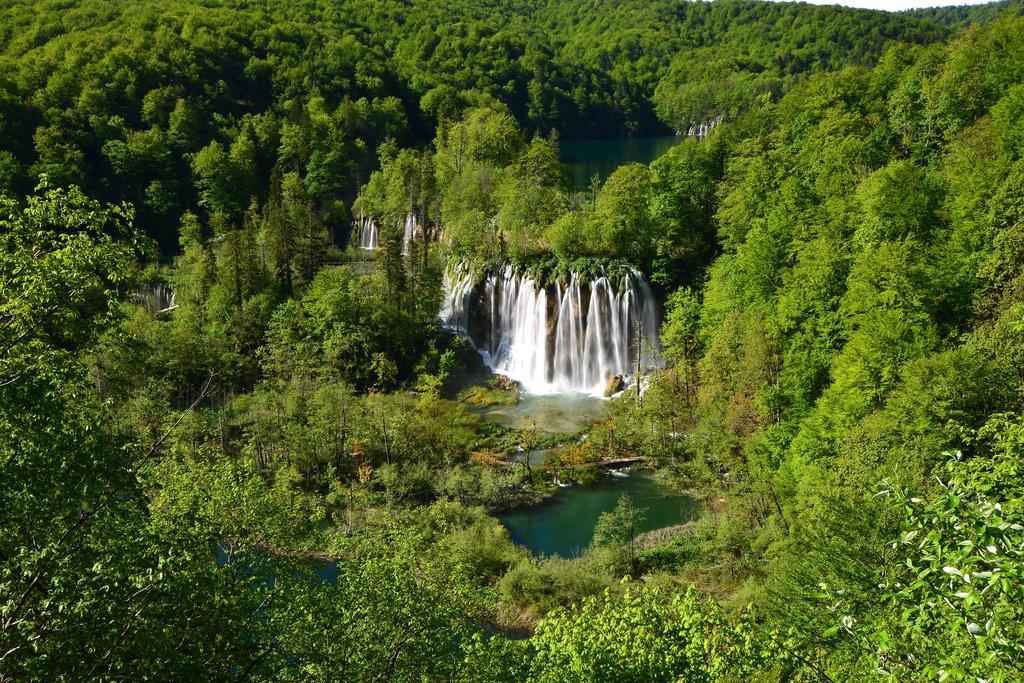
x,y
284,471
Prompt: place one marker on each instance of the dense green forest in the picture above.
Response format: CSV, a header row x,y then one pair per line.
x,y
963,15
281,475
187,106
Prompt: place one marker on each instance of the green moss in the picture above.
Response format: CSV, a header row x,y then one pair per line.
x,y
489,395
550,268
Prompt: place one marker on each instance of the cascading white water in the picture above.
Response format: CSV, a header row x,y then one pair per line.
x,y
519,314
156,298
367,234
409,230
567,337
458,297
701,130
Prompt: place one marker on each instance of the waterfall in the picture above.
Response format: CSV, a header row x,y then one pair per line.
x,y
409,230
367,233
458,296
700,130
564,337
156,298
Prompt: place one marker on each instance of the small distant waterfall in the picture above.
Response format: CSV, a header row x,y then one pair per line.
x,y
156,298
367,233
409,232
700,130
564,337
458,288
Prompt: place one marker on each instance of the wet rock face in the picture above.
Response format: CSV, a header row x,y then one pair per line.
x,y
479,321
614,385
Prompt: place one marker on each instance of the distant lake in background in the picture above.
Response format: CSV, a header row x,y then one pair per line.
x,y
585,159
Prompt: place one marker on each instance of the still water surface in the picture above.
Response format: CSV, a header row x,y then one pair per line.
x,y
585,159
564,524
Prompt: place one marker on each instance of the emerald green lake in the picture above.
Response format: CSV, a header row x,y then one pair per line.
x,y
585,159
564,524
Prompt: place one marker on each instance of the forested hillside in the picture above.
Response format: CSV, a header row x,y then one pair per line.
x,y
963,15
286,473
181,106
